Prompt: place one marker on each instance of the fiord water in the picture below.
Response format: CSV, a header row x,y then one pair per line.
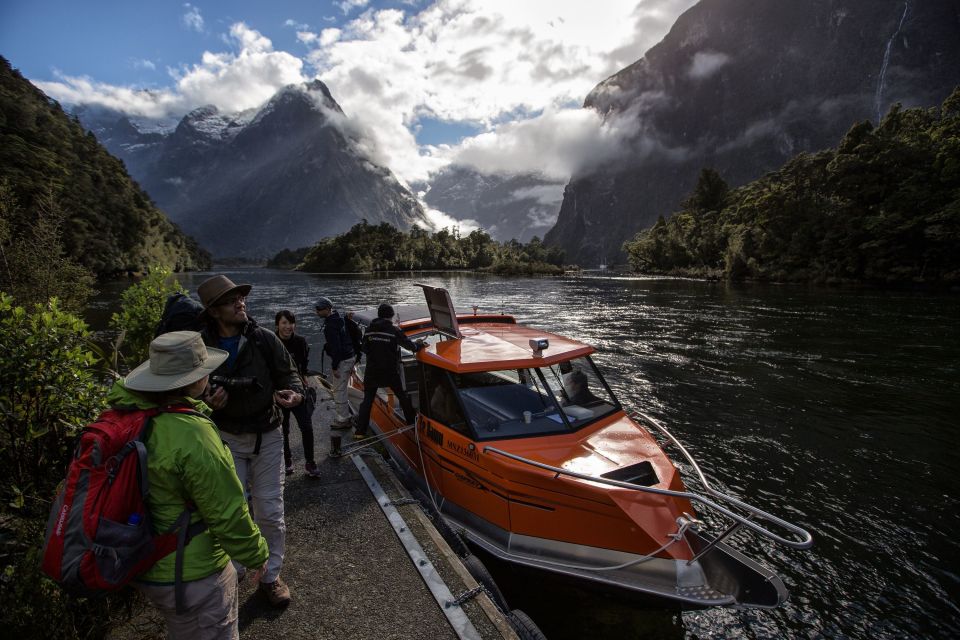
x,y
838,409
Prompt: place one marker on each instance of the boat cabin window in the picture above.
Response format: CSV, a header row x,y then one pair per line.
x,y
536,401
440,402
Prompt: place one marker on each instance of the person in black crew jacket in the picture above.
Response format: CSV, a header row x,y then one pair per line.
x,y
381,343
296,344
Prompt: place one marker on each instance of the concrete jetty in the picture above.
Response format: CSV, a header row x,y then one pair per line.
x,y
350,576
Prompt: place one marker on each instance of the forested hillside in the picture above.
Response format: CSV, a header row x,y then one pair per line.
x,y
52,168
883,207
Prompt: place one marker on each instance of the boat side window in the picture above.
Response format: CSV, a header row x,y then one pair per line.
x,y
441,400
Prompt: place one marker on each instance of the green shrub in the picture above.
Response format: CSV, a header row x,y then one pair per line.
x,y
141,306
49,389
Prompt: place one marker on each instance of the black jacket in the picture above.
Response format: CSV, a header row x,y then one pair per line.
x,y
381,343
338,344
299,351
262,357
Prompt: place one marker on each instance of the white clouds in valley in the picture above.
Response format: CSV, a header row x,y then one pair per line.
x,y
706,63
517,71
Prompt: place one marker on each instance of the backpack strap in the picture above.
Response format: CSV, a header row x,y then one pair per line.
x,y
184,529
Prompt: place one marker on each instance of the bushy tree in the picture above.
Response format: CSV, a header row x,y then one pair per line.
x,y
141,306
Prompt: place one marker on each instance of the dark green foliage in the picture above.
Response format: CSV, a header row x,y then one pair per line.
x,y
49,389
383,247
50,163
288,258
883,207
33,268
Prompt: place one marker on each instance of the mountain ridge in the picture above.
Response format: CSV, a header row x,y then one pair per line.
x,y
251,184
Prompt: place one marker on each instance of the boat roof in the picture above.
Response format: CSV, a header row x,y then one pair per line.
x,y
492,346
490,342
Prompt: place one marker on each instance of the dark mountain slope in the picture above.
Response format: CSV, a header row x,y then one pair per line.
x,y
111,225
742,86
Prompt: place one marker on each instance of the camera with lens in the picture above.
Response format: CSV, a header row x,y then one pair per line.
x,y
236,383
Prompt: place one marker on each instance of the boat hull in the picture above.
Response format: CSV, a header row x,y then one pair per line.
x,y
721,577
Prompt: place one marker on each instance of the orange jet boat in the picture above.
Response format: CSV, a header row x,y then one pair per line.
x,y
521,444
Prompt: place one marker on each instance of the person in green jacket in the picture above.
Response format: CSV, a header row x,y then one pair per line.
x,y
188,462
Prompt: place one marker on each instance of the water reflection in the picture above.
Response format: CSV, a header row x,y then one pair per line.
x,y
836,409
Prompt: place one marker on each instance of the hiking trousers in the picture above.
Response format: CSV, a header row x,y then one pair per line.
x,y
261,472
211,606
339,391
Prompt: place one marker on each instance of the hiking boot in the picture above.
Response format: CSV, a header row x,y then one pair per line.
x,y
277,592
312,470
288,470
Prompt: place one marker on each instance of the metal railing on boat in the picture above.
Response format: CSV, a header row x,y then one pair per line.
x,y
804,541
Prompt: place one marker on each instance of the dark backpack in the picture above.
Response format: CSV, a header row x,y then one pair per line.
x,y
356,335
180,313
99,535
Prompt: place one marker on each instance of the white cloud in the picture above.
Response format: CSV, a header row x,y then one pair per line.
x,y
306,37
231,81
557,144
515,70
480,63
192,18
348,5
439,220
706,63
329,36
142,63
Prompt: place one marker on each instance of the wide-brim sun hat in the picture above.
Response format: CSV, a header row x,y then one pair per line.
x,y
213,289
177,359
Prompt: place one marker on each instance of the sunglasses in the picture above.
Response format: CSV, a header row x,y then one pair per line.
x,y
231,301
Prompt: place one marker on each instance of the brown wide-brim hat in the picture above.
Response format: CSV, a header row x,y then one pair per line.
x,y
177,359
212,290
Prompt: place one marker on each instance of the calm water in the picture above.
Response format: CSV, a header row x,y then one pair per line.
x,y
836,409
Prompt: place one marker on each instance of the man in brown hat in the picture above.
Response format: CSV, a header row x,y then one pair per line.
x,y
257,376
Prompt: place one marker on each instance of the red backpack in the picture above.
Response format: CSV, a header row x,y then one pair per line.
x,y
99,535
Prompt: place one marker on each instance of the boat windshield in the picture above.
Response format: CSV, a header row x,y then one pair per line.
x,y
526,402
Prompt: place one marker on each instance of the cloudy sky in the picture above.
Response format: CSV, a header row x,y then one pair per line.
x,y
496,84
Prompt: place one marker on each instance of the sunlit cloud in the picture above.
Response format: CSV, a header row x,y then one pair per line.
x,y
231,81
516,71
439,220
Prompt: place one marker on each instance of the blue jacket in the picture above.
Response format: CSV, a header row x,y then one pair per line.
x,y
338,344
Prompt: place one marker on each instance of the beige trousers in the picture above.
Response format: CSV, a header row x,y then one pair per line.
x,y
211,607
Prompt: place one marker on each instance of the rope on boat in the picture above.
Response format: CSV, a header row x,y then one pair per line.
x,y
366,443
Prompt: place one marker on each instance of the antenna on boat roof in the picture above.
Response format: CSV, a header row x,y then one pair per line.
x,y
442,313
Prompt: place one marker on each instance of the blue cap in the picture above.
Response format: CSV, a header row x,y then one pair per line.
x,y
323,303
